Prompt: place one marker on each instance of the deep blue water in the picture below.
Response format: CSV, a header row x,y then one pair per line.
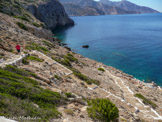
x,y
131,43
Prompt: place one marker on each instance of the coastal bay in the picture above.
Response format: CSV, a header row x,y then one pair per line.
x,y
131,43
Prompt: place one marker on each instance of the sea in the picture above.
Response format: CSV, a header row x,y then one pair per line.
x,y
131,43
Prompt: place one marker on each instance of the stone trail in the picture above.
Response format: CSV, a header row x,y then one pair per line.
x,y
15,59
129,99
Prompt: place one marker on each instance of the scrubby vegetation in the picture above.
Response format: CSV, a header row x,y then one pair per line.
x,y
34,46
25,61
145,100
22,96
36,24
34,58
22,18
84,78
70,57
48,44
57,77
66,61
68,94
102,110
22,26
101,69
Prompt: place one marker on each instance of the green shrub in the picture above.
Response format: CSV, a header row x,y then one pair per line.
x,y
84,78
36,24
70,57
102,110
57,77
48,43
34,46
64,62
19,93
25,61
34,58
68,94
22,18
78,74
16,70
145,100
101,69
22,26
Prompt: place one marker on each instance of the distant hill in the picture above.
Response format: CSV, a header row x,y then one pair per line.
x,y
103,7
89,6
129,6
78,10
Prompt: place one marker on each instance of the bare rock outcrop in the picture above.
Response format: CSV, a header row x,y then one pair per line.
x,y
52,13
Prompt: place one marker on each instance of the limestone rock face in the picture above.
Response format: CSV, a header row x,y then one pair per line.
x,y
52,13
40,32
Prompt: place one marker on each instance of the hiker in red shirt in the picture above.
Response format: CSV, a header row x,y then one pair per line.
x,y
18,48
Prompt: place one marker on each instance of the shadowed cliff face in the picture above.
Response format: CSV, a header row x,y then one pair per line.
x,y
52,13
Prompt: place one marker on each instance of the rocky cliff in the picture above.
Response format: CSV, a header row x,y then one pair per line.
x,y
52,13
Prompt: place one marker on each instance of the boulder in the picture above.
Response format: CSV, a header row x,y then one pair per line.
x,y
85,46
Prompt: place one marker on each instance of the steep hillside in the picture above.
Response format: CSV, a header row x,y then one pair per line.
x,y
129,6
50,12
47,82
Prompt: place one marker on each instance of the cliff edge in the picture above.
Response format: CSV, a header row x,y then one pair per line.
x,y
52,13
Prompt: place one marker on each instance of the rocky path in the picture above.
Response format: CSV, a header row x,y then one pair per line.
x,y
14,59
50,62
128,99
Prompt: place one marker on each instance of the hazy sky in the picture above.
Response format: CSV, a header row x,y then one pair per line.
x,y
155,4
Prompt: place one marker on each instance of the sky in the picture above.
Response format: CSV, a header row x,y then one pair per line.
x,y
155,4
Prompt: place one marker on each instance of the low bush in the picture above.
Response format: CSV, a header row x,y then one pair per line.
x,y
145,100
57,77
84,78
102,110
101,69
68,94
34,58
70,57
19,93
48,44
22,26
22,18
34,46
64,62
25,61
69,111
36,24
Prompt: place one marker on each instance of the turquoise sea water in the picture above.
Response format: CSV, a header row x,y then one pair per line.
x,y
131,43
